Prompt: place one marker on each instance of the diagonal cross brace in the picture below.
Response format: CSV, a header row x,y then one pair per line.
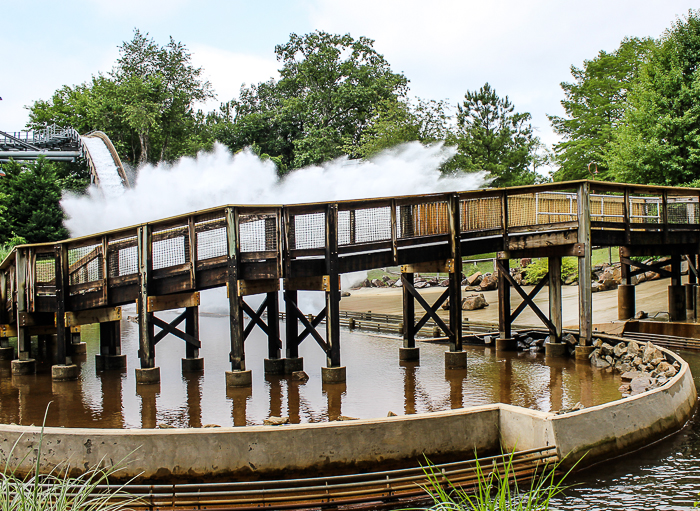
x,y
170,328
643,268
310,328
532,295
255,318
434,308
428,309
314,323
506,273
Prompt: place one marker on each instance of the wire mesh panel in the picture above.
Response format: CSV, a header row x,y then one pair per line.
x,y
646,209
45,269
169,248
542,208
122,257
211,237
85,264
258,232
607,207
683,210
364,225
480,214
310,231
423,219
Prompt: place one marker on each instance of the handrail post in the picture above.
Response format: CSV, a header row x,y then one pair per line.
x,y
584,265
334,372
148,372
25,364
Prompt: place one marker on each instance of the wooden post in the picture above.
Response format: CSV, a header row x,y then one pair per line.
x,y
23,339
235,311
585,303
409,315
625,291
273,325
147,352
291,324
504,327
191,251
455,276
333,293
555,305
62,333
192,328
676,292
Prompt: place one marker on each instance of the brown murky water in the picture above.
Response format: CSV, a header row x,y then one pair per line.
x,y
376,384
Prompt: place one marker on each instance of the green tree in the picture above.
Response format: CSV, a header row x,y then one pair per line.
x,y
30,195
594,104
659,139
490,135
328,91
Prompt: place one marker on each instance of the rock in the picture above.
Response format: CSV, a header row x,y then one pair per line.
x,y
640,384
378,283
641,315
571,279
651,354
606,349
598,361
569,339
444,283
386,278
344,294
523,346
539,342
628,376
165,426
610,359
132,319
346,418
475,279
670,372
391,414
489,282
211,426
474,302
633,348
607,285
421,284
637,362
620,349
661,380
624,388
595,287
300,376
366,283
623,367
676,365
276,421
607,274
398,283
525,262
597,343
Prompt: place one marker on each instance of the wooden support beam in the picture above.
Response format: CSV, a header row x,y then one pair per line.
x,y
110,338
170,328
520,308
585,266
176,301
291,323
255,318
36,319
504,322
91,316
192,329
394,233
409,313
506,273
455,276
237,354
310,328
104,266
555,297
191,251
315,283
147,353
332,294
428,309
643,268
62,281
255,287
23,339
274,344
446,266
434,308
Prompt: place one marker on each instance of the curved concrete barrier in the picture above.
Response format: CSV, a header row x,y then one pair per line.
x,y
309,449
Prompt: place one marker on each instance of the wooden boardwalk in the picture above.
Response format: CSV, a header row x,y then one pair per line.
x,y
53,288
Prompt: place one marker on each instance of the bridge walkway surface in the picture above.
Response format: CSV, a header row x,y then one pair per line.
x,y
53,288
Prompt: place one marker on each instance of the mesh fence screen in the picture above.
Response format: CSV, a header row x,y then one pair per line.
x,y
85,264
480,214
364,225
169,247
211,237
310,231
123,257
422,219
45,269
258,232
683,210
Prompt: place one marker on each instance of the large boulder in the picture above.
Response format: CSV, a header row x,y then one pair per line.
x,y
475,279
489,282
474,301
640,384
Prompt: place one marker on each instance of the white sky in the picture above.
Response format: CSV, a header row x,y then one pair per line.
x,y
445,47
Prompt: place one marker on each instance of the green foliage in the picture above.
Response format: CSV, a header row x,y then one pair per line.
x,y
538,268
491,136
595,104
329,89
7,247
496,489
145,104
30,195
658,141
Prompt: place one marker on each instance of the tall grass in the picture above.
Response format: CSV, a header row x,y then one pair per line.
x,y
496,489
57,491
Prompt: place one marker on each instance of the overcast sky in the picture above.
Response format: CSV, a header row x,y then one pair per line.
x,y
523,48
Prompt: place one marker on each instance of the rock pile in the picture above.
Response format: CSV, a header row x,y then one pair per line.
x,y
643,366
473,301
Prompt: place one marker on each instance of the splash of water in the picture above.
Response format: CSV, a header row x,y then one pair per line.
x,y
110,180
217,178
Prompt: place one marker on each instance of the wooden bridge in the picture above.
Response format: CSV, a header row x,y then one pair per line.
x,y
53,288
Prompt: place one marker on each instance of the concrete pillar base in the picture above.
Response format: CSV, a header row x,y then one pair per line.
x,y
455,359
625,301
79,348
555,349
676,303
239,378
690,302
107,362
148,376
7,353
333,374
409,354
274,365
24,366
583,352
292,365
64,372
192,365
507,344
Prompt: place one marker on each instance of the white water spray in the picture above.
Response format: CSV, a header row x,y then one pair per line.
x,y
108,174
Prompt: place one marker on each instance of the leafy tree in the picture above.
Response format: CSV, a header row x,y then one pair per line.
x,y
595,103
491,136
30,194
329,88
659,139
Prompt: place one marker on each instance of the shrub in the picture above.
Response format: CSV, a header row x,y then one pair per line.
x,y
538,268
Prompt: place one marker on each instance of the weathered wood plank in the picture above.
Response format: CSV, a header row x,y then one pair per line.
x,y
169,302
92,316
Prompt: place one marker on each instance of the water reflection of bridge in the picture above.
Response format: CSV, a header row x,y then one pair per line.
x,y
52,289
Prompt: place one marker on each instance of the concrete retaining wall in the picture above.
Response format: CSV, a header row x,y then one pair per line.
x,y
252,452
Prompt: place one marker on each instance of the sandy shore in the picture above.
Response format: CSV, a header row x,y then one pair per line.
x,y
651,297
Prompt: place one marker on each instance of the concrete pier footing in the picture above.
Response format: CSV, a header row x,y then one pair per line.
x,y
7,353
79,348
676,303
455,359
409,354
507,344
24,366
625,301
583,352
292,365
192,365
239,378
555,349
148,375
333,374
64,372
107,362
274,365
691,293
